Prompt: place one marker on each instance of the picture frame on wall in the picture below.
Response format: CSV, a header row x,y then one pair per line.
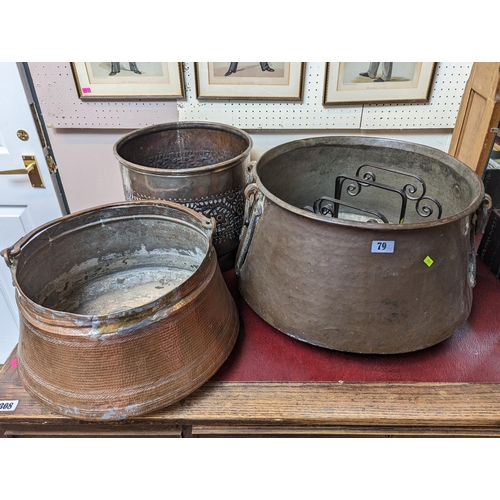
x,y
369,82
260,81
128,80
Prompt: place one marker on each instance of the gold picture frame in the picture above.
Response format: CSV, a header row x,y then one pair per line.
x,y
264,81
368,82
133,80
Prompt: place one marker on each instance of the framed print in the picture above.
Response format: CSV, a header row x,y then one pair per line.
x,y
277,81
128,80
377,82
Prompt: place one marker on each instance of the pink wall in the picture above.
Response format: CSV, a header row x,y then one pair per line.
x,y
89,171
82,133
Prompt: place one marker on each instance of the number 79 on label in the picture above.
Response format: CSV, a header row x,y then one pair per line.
x,y
382,246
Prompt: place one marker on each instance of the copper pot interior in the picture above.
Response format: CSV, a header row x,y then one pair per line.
x,y
111,260
180,148
302,175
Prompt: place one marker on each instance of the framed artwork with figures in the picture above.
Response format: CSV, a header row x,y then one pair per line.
x,y
377,82
128,80
261,81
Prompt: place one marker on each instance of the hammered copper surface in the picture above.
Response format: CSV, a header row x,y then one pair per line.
x,y
315,277
201,165
123,309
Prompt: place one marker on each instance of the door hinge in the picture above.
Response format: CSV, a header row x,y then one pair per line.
x,y
51,164
45,145
38,125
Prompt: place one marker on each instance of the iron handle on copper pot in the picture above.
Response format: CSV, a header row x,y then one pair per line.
x,y
253,212
250,193
6,256
480,217
472,255
478,222
249,172
10,254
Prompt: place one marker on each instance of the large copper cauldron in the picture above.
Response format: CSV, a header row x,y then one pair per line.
x,y
200,165
393,277
123,309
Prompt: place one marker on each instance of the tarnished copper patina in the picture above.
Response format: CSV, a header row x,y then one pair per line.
x,y
201,165
123,309
354,282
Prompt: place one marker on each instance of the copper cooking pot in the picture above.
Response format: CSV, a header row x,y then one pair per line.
x,y
123,309
385,279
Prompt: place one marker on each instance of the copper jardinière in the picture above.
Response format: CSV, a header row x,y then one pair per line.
x,y
123,309
201,165
319,278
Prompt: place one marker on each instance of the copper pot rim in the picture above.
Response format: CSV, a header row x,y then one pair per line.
x,y
184,172
207,266
354,140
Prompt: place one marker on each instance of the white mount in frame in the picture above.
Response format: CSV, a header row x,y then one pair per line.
x,y
259,81
369,82
128,80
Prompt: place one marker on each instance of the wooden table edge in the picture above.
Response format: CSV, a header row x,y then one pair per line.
x,y
436,408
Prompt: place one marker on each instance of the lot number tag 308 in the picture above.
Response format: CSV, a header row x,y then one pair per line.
x,y
8,405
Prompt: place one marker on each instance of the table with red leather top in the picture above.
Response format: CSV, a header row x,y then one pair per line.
x,y
274,385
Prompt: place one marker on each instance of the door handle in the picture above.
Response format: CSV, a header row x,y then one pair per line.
x,y
19,171
31,169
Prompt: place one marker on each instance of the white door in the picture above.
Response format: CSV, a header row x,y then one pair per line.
x,y
22,206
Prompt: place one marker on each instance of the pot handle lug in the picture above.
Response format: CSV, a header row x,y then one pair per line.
x,y
480,218
7,257
253,212
472,261
250,194
249,172
209,227
12,253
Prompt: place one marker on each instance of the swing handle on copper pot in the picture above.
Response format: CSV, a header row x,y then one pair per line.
x,y
479,220
253,212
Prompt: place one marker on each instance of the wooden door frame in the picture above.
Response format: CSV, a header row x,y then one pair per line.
x,y
478,116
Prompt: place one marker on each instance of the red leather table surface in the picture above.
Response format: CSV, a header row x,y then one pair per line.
x,y
471,354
